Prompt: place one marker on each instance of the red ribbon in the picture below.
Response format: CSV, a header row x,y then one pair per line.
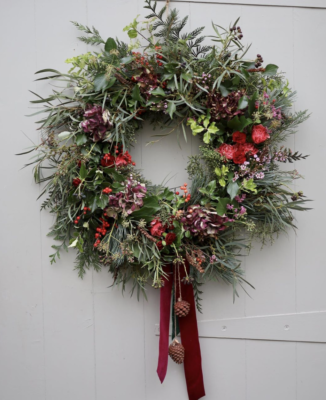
x,y
189,335
165,309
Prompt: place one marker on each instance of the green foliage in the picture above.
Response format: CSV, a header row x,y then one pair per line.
x,y
170,84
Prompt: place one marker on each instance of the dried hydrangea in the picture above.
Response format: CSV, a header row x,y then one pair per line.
x,y
97,122
203,221
127,201
224,107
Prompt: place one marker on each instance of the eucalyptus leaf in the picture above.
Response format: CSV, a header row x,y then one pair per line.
x,y
110,44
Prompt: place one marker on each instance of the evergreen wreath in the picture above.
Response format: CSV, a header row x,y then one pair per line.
x,y
107,210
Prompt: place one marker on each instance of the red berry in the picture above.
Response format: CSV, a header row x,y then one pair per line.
x,y
177,193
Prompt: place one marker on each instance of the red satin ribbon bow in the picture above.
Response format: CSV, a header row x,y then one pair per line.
x,y
188,331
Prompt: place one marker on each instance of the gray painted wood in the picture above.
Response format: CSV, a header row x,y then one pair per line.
x,y
65,338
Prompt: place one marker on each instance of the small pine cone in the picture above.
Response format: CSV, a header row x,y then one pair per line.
x,y
177,352
181,308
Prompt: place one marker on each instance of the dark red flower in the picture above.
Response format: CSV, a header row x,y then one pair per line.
x,y
107,160
259,134
76,182
157,228
239,156
250,148
159,245
170,238
239,137
226,150
123,160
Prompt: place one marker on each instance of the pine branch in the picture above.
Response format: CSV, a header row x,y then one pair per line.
x,y
94,38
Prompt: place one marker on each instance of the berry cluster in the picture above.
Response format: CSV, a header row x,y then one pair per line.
x,y
76,182
84,212
158,56
237,32
186,196
140,59
107,190
259,61
101,231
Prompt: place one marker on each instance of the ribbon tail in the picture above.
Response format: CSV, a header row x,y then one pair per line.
x,y
190,341
165,309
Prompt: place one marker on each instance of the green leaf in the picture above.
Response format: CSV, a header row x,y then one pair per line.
x,y
221,206
83,171
206,122
100,82
81,139
207,137
127,60
115,175
222,182
237,124
211,186
252,102
73,242
224,91
213,128
136,94
197,129
243,103
186,77
171,108
249,185
132,33
110,45
270,70
158,91
101,201
64,135
150,208
232,189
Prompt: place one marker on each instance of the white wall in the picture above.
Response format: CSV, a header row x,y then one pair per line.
x,y
62,338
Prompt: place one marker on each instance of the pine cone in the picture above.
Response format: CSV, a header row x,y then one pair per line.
x,y
177,352
181,308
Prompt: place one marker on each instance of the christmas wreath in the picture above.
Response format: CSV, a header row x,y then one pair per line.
x,y
173,238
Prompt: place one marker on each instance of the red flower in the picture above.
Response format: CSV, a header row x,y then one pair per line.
x,y
157,228
226,150
259,134
250,148
239,156
239,137
107,160
123,159
76,182
159,245
170,238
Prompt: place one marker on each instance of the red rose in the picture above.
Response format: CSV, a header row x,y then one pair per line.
x,y
157,228
239,156
107,160
159,245
170,238
76,182
250,148
123,159
239,137
226,150
259,134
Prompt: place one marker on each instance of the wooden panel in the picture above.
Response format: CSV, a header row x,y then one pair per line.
x,y
270,371
288,327
266,3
